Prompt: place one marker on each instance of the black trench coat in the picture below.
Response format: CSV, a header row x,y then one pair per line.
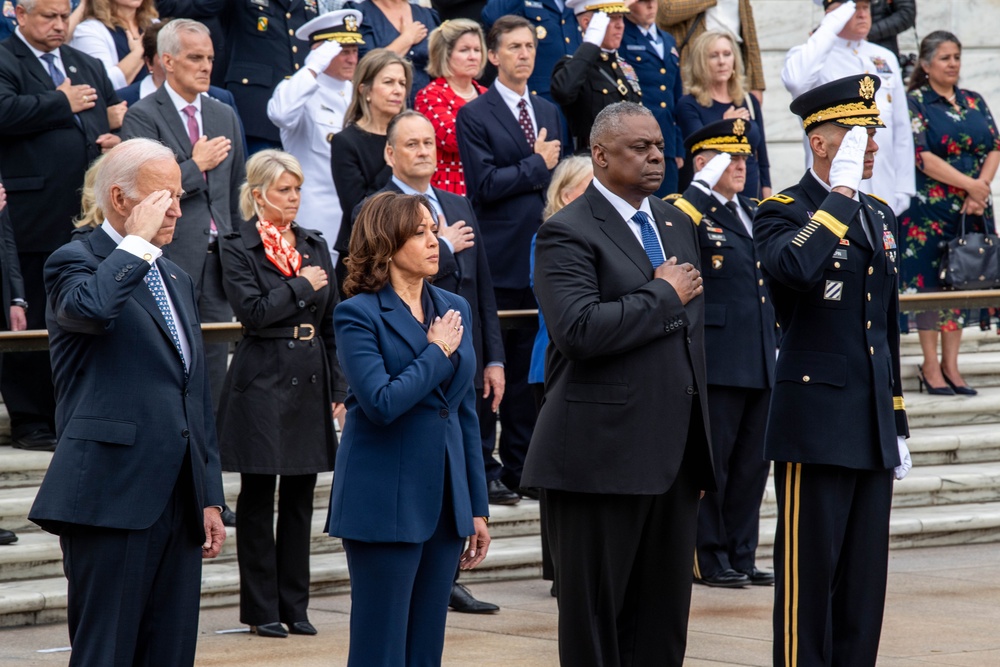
x,y
275,415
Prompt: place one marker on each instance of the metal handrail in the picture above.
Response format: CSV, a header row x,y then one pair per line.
x,y
226,332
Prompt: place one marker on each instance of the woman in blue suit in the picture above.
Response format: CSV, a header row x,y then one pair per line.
x,y
410,483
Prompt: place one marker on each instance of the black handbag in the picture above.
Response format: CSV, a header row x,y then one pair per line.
x,y
970,261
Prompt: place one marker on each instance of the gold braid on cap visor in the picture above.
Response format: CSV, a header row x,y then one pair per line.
x,y
854,113
724,145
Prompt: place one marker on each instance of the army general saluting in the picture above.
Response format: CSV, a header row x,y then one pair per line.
x,y
836,427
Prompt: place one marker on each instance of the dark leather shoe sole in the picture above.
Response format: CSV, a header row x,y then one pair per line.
x,y
276,630
33,443
760,577
728,580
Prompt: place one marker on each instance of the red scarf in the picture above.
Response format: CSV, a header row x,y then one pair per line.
x,y
278,250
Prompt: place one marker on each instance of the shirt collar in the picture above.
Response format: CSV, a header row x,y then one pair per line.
x,y
179,102
111,231
38,54
509,96
407,190
624,209
931,95
850,44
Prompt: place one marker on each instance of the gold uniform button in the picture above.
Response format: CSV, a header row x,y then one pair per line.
x,y
567,40
604,91
763,299
895,270
295,49
664,105
871,350
760,281
869,296
638,59
663,71
564,22
245,81
718,243
868,325
805,378
288,15
296,65
291,32
836,265
538,18
871,270
758,264
663,87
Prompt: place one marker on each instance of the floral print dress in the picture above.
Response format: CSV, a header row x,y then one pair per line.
x,y
963,137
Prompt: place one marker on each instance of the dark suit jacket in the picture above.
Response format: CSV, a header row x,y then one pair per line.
x,y
506,180
837,302
468,275
409,409
212,196
11,283
125,416
740,327
44,150
130,94
625,367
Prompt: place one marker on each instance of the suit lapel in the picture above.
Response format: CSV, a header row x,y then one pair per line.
x,y
618,230
399,318
451,216
181,141
503,114
182,306
30,63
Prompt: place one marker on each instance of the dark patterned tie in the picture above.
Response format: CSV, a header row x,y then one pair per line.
x,y
524,120
649,241
57,76
155,285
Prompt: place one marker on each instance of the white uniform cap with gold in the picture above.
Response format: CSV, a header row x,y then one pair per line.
x,y
340,26
606,6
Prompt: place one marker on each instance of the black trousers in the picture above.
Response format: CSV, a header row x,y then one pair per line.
x,y
548,568
213,306
134,595
623,573
517,412
831,555
274,570
729,519
27,376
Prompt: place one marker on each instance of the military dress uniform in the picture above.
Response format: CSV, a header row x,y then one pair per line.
x,y
830,264
739,324
263,51
591,79
308,111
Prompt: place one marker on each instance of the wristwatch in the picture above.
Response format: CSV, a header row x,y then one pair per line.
x,y
20,302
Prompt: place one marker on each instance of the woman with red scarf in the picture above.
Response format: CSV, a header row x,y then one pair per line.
x,y
282,390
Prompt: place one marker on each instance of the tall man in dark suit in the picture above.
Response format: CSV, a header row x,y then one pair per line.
x,y
836,428
739,325
54,120
509,145
134,489
205,135
621,444
411,151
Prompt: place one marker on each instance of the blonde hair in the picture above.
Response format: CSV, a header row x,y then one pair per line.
x,y
697,74
104,11
441,44
567,175
91,214
263,170
368,68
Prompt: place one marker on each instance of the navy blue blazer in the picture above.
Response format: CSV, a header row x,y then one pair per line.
x,y
505,180
125,416
659,79
411,414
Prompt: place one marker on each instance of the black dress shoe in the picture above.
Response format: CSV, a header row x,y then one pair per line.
x,y
7,536
499,494
301,628
270,630
527,492
725,579
228,517
39,440
759,577
462,600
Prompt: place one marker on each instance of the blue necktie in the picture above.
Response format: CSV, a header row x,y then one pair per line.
x,y
649,242
155,285
57,76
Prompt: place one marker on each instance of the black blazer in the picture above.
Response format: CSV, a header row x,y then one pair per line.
x,y
837,301
505,179
11,283
44,148
740,327
625,367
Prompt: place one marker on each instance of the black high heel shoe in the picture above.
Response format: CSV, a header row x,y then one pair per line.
x,y
964,390
934,391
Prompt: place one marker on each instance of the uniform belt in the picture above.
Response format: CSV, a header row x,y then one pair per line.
x,y
298,332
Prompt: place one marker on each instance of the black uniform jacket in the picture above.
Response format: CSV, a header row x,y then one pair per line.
x,y
837,396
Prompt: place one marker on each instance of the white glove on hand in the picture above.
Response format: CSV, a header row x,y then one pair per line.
x,y
905,462
597,28
713,170
849,163
321,57
836,20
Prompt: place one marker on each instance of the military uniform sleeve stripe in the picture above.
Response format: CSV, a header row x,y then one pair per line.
x,y
831,223
897,403
688,208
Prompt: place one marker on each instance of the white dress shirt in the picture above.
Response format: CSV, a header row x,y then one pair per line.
x,y
826,57
654,38
627,211
180,104
724,17
38,54
512,99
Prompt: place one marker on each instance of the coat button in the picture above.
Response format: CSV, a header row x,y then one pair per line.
x,y
664,106
871,270
836,265
312,309
291,344
291,32
638,59
763,299
805,378
567,40
443,413
288,15
312,378
302,304
869,295
245,81
868,325
871,350
663,87
604,91
185,433
689,340
758,265
760,281
295,382
689,390
295,49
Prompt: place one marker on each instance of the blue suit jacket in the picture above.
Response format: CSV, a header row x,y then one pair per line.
x,y
659,79
505,179
411,413
125,416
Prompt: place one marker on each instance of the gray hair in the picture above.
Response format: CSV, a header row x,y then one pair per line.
x,y
29,5
168,40
611,120
121,166
393,126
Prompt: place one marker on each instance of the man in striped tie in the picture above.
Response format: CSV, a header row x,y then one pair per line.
x,y
134,490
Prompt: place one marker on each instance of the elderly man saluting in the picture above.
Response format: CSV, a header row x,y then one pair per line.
x,y
134,489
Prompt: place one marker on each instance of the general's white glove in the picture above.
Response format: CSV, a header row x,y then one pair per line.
x,y
836,20
900,202
321,57
597,28
849,163
905,462
713,169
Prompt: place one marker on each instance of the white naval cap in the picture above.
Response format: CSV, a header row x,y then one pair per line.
x,y
606,6
339,26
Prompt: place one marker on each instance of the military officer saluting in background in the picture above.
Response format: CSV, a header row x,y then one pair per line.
x,y
836,428
739,324
309,109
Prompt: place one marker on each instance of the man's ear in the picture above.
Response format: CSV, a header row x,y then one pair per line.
x,y
599,156
118,200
